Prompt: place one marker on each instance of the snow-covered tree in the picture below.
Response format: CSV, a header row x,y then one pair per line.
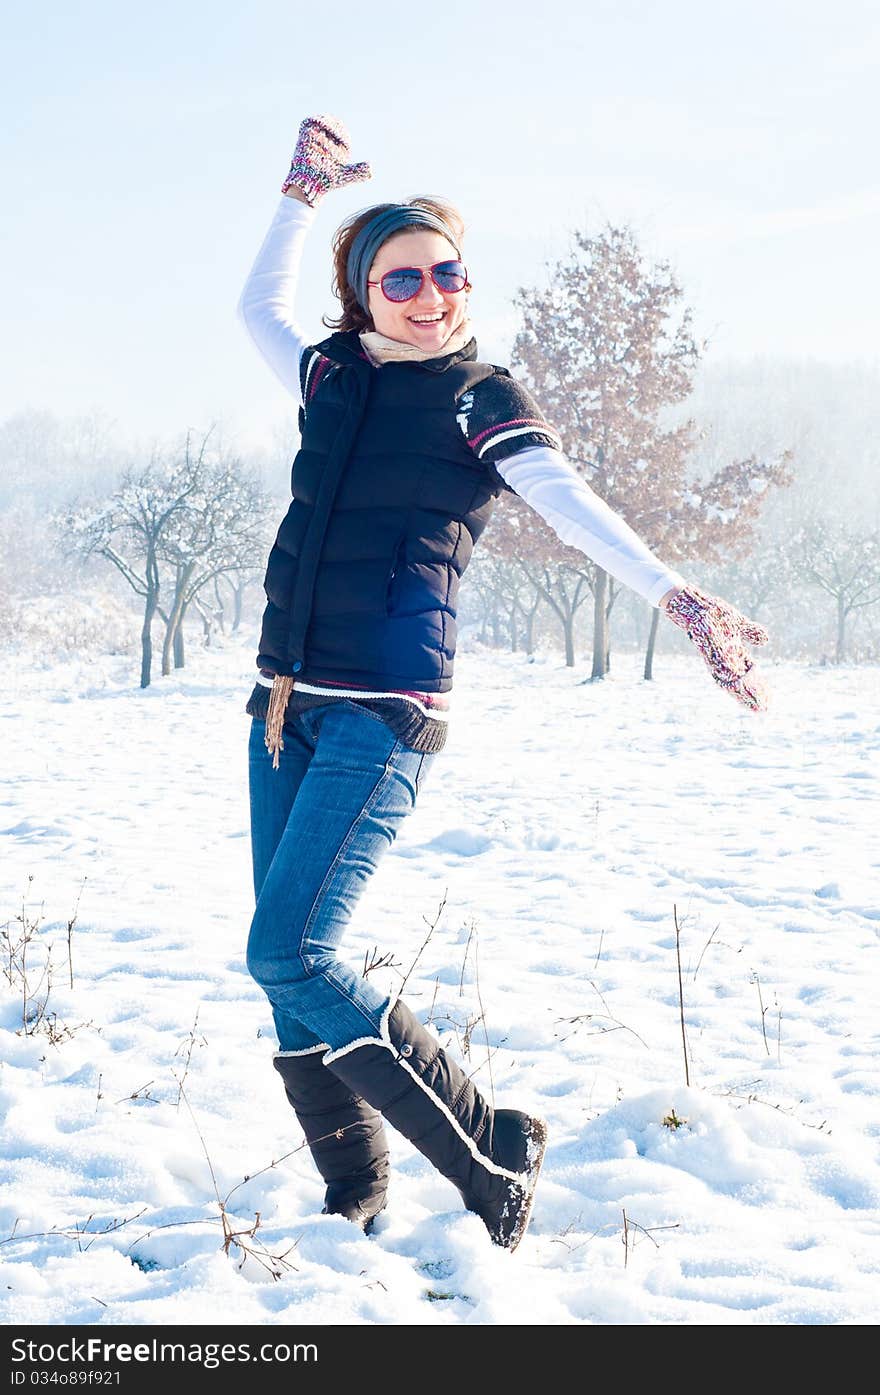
x,y
171,528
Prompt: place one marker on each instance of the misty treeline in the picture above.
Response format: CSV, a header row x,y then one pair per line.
x,y
756,479
89,541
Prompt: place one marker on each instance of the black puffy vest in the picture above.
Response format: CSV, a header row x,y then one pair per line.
x,y
388,503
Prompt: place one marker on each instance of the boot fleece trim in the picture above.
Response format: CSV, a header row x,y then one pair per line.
x,y
486,1163
384,1039
304,1051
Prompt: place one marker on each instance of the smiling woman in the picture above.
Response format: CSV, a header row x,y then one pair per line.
x,y
420,248
408,442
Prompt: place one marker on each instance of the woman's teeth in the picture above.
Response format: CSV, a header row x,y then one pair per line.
x,y
427,319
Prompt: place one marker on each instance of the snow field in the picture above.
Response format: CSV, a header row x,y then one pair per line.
x,y
557,837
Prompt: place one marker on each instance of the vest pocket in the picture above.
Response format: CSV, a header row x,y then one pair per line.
x,y
392,589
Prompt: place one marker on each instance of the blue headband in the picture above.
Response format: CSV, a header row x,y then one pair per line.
x,y
366,244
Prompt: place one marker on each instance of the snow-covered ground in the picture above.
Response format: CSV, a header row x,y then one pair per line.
x,y
561,831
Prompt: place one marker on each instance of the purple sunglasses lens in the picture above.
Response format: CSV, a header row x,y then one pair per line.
x,y
402,285
450,276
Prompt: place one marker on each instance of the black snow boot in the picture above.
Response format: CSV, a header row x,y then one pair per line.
x,y
345,1135
491,1155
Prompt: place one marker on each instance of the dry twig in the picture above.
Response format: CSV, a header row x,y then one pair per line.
x,y
687,1078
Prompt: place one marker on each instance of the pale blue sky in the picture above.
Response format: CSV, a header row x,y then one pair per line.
x,y
145,145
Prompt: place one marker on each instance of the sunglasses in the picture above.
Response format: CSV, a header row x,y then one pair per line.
x,y
405,282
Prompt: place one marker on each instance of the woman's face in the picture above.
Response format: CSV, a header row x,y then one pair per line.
x,y
406,322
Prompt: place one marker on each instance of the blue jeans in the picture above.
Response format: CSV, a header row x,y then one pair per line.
x,y
319,825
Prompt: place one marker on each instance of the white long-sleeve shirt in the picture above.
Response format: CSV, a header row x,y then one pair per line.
x,y
539,474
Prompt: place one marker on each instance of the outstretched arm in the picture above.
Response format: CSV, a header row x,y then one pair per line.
x,y
549,484
266,305
552,487
505,428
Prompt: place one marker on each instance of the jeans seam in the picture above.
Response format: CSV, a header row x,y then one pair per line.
x,y
343,847
417,780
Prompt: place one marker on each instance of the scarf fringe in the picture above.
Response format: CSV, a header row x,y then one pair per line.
x,y
282,687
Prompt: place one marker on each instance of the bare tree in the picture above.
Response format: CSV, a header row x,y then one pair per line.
x,y
528,566
714,520
609,353
220,528
127,530
498,578
194,519
238,580
842,561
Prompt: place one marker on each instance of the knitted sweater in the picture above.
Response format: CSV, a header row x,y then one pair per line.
x,y
501,422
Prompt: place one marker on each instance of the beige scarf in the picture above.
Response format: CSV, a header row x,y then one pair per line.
x,y
380,349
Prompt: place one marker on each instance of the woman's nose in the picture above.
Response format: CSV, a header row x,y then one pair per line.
x,y
429,294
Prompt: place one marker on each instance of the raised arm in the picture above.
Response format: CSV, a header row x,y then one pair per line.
x,y
267,303
266,306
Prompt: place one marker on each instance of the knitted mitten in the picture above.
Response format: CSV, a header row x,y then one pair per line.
x,y
319,160
720,633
